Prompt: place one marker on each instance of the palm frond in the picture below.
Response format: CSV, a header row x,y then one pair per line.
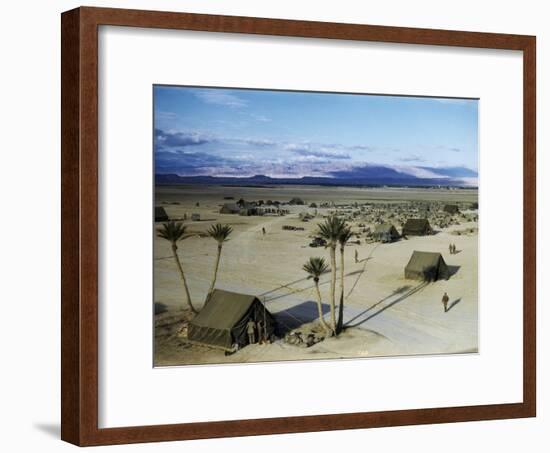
x,y
172,231
345,235
331,229
315,266
219,232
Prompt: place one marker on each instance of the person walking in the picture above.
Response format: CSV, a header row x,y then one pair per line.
x,y
263,231
251,331
445,301
356,256
451,248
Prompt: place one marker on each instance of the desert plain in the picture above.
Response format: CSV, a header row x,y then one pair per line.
x,y
385,313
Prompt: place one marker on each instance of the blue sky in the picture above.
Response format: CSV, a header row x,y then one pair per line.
x,y
235,132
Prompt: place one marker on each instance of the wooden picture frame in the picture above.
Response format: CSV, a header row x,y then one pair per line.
x,y
79,134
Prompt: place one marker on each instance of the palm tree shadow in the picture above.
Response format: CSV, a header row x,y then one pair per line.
x,y
404,291
454,302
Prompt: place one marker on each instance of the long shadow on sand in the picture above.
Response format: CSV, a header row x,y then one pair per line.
x,y
453,303
404,291
295,316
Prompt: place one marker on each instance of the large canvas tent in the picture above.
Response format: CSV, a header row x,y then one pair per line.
x,y
385,232
160,214
427,266
222,322
417,227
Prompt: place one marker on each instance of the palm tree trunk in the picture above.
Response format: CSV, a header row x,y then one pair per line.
x,y
215,276
333,289
320,308
340,323
182,275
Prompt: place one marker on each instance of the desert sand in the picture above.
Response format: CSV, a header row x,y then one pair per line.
x,y
385,314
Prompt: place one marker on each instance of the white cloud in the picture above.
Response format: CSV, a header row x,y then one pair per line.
x,y
220,98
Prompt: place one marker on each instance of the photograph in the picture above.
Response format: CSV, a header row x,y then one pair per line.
x,y
295,225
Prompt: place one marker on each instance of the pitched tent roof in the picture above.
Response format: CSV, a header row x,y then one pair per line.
x,y
426,266
418,227
160,214
385,231
222,321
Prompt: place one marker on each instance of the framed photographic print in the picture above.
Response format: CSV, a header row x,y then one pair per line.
x,y
275,226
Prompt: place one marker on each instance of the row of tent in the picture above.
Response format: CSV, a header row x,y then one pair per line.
x,y
386,232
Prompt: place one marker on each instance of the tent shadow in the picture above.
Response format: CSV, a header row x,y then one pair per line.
x,y
298,315
452,270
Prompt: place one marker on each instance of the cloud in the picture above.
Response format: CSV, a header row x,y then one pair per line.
x,y
162,115
167,140
317,151
218,97
255,142
412,158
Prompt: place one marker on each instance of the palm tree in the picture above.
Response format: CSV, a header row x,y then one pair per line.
x,y
174,232
315,267
330,231
345,236
220,233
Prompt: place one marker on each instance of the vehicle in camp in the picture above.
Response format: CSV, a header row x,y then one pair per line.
x,y
318,242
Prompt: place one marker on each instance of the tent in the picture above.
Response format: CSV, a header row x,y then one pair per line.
x,y
385,232
451,208
160,214
230,208
417,227
428,266
222,321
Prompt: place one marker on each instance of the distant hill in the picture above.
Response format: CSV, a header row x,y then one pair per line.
x,y
371,177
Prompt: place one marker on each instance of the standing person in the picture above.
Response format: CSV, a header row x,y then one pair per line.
x,y
251,331
356,256
259,326
445,301
263,231
454,249
450,248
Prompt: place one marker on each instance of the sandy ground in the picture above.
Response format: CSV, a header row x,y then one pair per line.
x,y
387,314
